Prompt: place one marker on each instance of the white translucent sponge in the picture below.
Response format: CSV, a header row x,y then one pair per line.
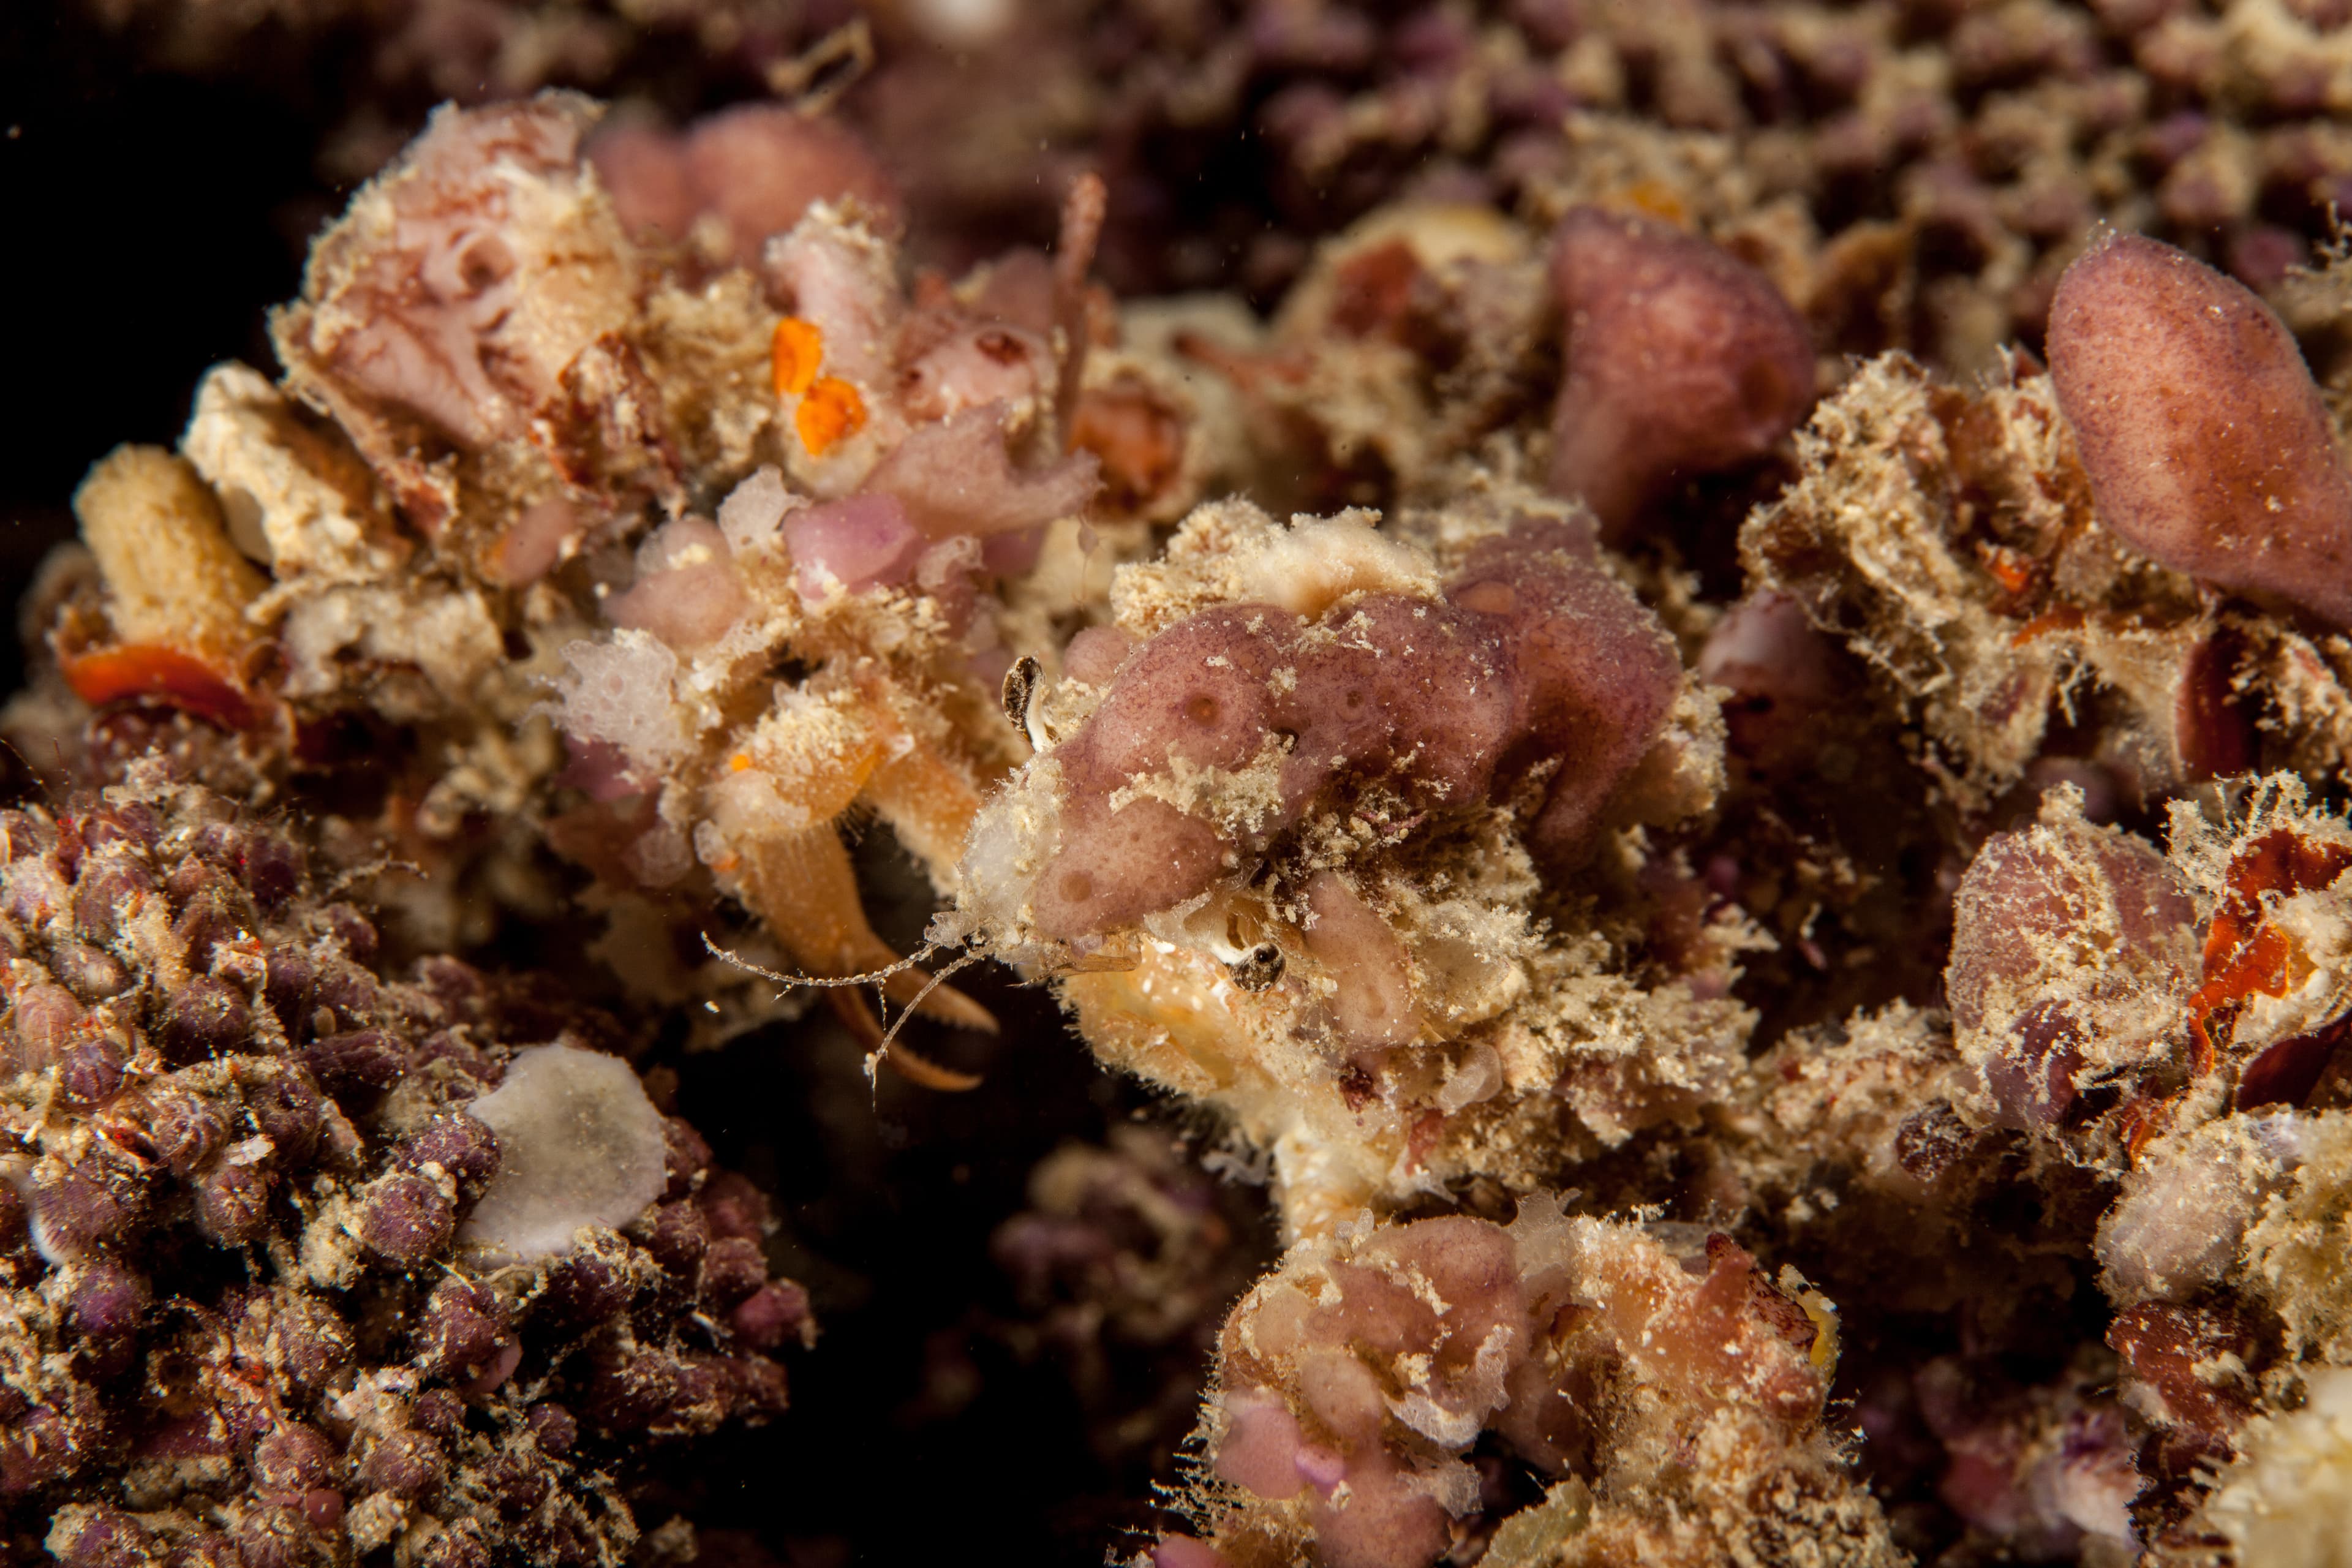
x,y
2285,1503
579,1143
620,692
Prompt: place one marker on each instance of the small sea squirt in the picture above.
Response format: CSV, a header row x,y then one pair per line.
x,y
579,1144
2205,440
447,306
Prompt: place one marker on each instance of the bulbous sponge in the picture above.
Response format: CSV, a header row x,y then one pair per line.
x,y
1682,360
2204,438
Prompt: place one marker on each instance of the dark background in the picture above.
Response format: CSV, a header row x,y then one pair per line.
x,y
150,221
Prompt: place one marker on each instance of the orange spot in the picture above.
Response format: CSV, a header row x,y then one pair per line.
x,y
2244,953
798,350
725,863
160,674
1657,199
740,762
2272,962
2065,618
2139,1120
2278,862
2012,569
831,410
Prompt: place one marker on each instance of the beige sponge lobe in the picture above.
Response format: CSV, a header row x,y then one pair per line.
x,y
172,574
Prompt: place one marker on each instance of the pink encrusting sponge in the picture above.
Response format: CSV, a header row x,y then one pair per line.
x,y
1535,662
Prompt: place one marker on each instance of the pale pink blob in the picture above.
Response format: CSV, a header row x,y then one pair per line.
x,y
1263,1449
756,167
862,542
533,544
687,592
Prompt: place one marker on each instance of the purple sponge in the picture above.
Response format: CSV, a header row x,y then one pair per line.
x,y
1682,360
1534,655
2206,443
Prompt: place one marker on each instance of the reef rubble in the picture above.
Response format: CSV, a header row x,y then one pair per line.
x,y
1711,754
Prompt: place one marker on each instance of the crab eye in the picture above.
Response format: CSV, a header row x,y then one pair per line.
x,y
1259,968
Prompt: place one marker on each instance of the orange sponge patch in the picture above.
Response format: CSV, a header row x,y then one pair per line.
x,y
793,358
831,410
